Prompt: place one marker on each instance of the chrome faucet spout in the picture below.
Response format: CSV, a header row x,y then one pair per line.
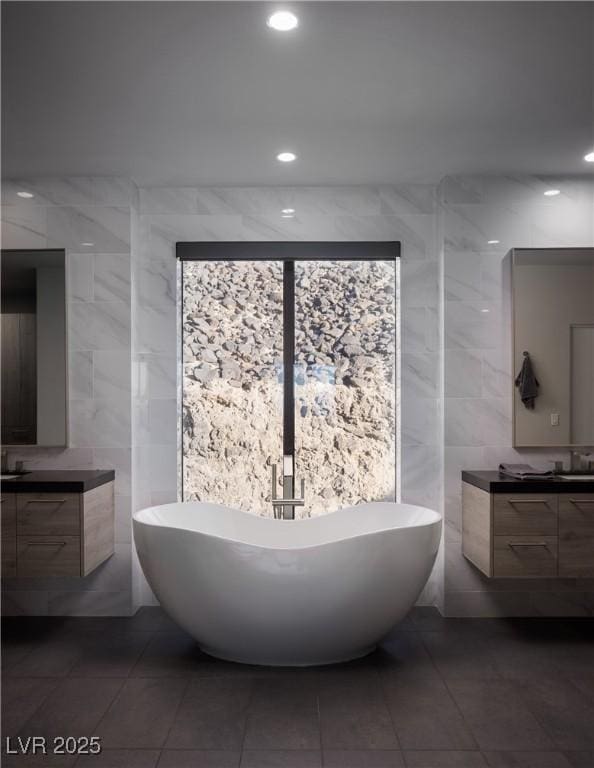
x,y
285,508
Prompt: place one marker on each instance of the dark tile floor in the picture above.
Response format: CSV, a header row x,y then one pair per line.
x,y
439,693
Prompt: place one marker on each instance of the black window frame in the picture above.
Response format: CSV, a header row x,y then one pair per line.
x,y
288,253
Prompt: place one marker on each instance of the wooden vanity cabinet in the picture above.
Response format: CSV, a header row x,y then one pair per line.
x,y
576,535
57,534
528,535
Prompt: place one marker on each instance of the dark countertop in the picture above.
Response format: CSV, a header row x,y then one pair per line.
x,y
493,482
58,481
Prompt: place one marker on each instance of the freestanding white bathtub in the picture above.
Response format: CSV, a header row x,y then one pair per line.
x,y
279,592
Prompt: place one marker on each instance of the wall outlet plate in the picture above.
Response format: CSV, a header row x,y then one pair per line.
x,y
554,419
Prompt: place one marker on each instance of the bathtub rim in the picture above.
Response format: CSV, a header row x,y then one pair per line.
x,y
435,518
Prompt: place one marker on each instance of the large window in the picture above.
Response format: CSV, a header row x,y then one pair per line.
x,y
326,312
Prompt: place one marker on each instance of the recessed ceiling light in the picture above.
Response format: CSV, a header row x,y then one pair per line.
x,y
287,211
552,192
26,195
493,242
589,158
283,21
286,157
88,244
486,311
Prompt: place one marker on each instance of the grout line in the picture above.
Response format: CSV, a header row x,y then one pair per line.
x,y
450,694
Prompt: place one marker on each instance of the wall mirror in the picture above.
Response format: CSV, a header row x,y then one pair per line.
x,y
553,329
34,351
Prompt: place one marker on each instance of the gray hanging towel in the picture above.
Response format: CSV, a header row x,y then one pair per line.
x,y
527,383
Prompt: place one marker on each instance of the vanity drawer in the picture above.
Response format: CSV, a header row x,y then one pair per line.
x,y
48,556
51,514
530,514
517,556
576,535
8,517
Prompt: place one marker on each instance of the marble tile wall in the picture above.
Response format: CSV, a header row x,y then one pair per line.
x,y
406,213
68,213
478,377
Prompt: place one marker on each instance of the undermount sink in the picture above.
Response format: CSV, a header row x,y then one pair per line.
x,y
577,477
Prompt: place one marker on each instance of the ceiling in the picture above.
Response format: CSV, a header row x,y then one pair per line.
x,y
204,93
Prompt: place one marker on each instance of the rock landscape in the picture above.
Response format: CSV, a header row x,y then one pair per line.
x,y
344,382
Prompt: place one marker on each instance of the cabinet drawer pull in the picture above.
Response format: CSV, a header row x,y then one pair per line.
x,y
528,501
581,501
46,501
46,543
514,544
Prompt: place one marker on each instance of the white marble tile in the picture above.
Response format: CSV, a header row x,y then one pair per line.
x,y
492,278
302,227
100,422
408,198
80,277
472,325
541,459
156,329
457,459
496,373
462,276
24,227
513,191
463,373
163,467
496,421
177,228
414,321
118,458
163,421
419,374
80,375
123,519
163,200
420,421
99,325
54,458
111,277
562,223
74,190
421,475
164,497
90,603
156,376
419,283
107,228
111,374
414,232
470,227
463,417
155,282
255,201
142,425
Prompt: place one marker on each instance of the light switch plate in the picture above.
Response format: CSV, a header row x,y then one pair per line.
x,y
554,419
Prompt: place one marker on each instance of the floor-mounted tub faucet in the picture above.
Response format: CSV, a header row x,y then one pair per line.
x,y
285,508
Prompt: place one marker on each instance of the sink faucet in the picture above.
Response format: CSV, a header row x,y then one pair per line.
x,y
576,460
285,508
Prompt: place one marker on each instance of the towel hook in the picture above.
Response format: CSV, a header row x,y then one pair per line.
x,y
526,354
